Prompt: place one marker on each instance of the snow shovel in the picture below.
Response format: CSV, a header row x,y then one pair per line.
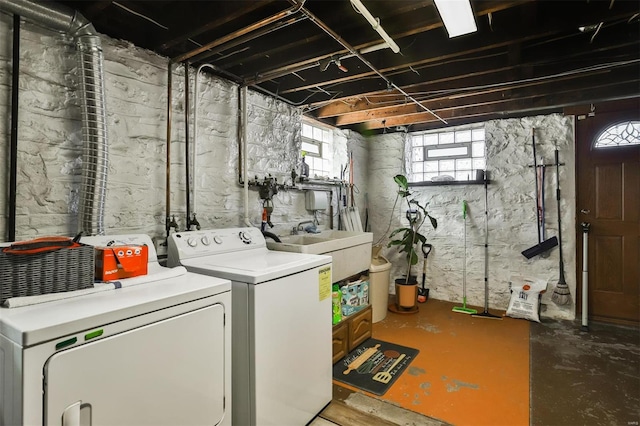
x,y
423,294
545,245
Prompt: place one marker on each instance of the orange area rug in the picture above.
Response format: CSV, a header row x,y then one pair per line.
x,y
470,371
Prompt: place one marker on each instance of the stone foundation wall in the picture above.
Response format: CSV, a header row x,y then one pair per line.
x,y
511,214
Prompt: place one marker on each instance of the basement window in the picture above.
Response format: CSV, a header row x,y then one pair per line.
x,y
453,154
316,147
619,135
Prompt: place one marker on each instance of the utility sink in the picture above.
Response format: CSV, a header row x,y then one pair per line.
x,y
298,241
350,251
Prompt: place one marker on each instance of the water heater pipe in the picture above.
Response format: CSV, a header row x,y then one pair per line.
x,y
243,129
195,130
13,148
167,193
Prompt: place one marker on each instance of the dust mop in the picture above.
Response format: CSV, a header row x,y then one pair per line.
x,y
486,313
463,309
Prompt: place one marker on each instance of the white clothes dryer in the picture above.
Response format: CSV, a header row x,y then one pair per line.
x,y
155,353
281,334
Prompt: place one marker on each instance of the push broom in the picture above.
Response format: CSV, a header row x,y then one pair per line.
x,y
463,309
561,295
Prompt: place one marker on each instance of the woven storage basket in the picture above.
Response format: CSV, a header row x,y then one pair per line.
x,y
66,269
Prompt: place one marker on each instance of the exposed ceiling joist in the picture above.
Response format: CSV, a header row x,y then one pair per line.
x,y
527,57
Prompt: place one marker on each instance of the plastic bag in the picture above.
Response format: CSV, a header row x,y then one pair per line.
x,y
525,297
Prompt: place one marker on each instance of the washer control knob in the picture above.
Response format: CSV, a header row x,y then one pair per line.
x,y
217,239
192,242
245,237
205,240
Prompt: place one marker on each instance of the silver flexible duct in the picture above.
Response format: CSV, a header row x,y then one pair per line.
x,y
95,152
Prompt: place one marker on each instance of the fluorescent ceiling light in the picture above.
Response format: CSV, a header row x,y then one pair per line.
x,y
457,17
374,48
375,23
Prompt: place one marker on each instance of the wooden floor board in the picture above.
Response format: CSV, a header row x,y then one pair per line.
x,y
339,413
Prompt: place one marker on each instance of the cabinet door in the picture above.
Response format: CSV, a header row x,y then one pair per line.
x,y
359,328
340,342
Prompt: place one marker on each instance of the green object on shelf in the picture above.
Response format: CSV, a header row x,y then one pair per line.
x,y
336,298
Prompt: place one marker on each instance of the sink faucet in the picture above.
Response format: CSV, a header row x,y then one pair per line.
x,y
300,228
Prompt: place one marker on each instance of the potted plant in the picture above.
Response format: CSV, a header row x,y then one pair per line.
x,y
407,239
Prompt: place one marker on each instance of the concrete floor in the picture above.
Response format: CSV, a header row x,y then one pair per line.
x,y
584,378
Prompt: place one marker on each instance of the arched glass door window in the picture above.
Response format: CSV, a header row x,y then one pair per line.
x,y
622,134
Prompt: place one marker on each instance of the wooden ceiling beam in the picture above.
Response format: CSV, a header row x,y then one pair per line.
x,y
484,8
442,52
358,104
183,33
492,75
378,114
557,101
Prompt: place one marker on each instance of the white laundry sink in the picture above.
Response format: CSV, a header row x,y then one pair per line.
x,y
350,251
302,241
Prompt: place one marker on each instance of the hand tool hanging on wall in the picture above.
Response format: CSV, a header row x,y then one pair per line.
x,y
485,313
543,245
540,173
561,295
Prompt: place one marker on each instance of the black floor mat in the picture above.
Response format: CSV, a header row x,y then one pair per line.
x,y
374,365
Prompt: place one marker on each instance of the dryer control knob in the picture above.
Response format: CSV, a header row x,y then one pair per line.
x,y
217,239
205,240
245,237
192,242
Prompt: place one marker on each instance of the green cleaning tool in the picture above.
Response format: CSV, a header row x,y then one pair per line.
x,y
463,309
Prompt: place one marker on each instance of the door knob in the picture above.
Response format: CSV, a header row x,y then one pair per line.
x,y
583,211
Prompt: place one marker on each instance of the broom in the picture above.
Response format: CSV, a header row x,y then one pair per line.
x,y
463,309
561,295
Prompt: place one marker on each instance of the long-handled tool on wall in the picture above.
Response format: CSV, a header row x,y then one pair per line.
x,y
561,295
543,245
463,309
485,313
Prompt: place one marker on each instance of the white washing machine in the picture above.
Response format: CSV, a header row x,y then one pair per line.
x,y
155,353
281,335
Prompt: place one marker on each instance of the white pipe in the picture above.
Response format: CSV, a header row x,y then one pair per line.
x,y
375,23
245,153
195,131
585,276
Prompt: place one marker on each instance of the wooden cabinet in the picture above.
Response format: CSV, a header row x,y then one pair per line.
x,y
350,332
359,328
340,341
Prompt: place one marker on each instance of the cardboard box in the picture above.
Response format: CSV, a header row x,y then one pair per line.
x,y
118,262
355,297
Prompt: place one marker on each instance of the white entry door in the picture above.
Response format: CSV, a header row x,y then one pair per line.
x,y
166,373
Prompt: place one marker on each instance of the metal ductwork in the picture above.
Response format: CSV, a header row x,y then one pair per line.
x,y
95,153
